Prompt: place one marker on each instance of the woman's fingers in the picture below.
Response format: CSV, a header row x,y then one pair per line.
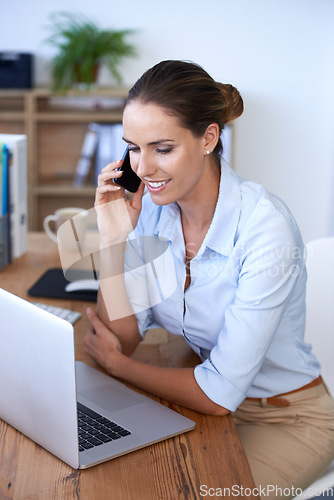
x,y
113,223
114,165
108,188
110,172
100,342
94,319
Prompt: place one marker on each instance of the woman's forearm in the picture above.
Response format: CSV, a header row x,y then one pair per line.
x,y
113,306
177,385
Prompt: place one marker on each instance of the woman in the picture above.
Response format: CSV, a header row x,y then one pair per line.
x,y
239,295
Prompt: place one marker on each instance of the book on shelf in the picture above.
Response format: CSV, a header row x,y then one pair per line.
x,y
4,208
86,155
13,211
102,144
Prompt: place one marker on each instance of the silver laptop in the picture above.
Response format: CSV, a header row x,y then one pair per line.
x,y
44,393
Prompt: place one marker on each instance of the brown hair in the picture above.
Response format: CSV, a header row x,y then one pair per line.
x,y
187,91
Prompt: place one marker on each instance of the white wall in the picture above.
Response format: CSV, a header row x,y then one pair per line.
x,y
279,53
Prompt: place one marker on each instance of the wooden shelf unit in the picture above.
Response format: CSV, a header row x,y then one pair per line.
x,y
55,135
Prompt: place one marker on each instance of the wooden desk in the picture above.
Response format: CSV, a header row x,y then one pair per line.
x,y
211,455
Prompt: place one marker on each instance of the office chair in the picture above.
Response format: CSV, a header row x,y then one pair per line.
x,y
320,326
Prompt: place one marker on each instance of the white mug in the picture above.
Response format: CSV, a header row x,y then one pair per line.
x,y
60,216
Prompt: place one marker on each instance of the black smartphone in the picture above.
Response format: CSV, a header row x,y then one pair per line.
x,y
129,180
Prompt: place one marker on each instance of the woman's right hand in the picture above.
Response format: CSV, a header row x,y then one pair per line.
x,y
116,215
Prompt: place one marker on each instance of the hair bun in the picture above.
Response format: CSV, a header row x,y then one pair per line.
x,y
233,105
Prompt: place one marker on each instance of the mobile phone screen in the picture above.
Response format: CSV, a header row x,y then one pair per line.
x,y
129,180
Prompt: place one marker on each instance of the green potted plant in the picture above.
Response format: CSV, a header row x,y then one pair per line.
x,y
82,47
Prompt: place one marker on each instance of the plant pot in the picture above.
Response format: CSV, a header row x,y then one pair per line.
x,y
83,83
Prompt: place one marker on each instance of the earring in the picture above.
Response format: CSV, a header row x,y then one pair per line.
x,y
208,152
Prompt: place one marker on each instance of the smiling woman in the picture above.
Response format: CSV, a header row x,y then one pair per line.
x,y
231,279
170,160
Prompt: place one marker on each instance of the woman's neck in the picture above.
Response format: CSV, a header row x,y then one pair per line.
x,y
197,211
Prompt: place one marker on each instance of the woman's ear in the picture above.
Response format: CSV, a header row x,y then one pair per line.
x,y
211,137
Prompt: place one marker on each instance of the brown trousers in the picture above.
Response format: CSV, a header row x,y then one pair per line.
x,y
288,448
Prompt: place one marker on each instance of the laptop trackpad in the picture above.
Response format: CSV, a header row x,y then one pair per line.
x,y
110,398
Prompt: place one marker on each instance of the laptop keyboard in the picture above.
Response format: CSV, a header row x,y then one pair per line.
x,y
67,314
94,429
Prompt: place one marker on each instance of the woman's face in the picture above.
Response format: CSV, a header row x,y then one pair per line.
x,y
168,158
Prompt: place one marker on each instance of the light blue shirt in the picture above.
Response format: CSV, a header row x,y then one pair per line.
x,y
244,311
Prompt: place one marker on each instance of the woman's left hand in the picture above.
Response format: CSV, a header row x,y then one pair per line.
x,y
100,342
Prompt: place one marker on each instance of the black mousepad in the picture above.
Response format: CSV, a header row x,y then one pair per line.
x,y
52,285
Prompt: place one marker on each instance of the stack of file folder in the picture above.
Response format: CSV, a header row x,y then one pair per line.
x,y
13,197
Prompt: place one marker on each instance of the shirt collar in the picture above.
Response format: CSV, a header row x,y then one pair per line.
x,y
169,222
221,234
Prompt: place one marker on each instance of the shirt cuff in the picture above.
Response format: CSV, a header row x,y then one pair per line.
x,y
217,387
